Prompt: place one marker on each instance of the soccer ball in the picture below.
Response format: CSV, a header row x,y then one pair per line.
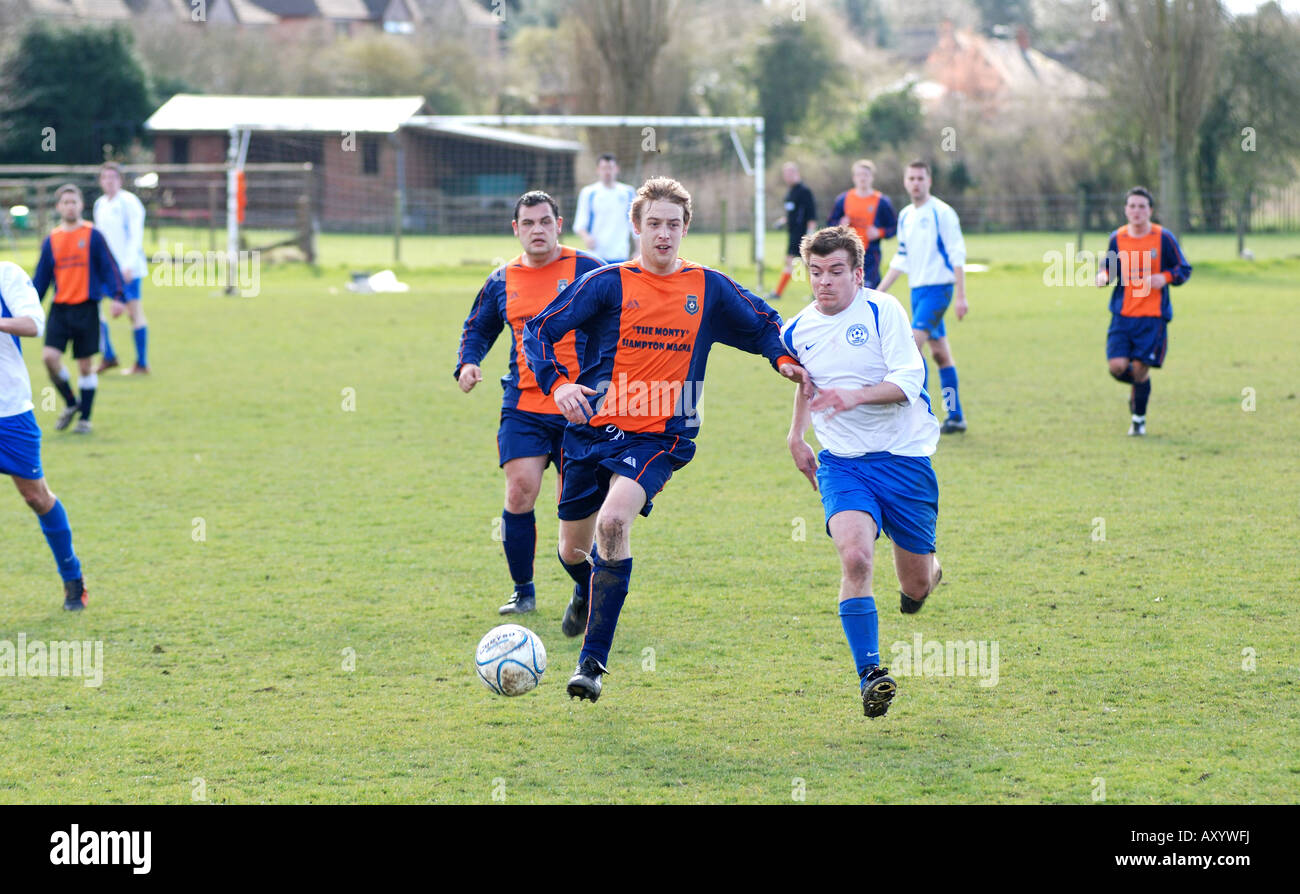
x,y
510,660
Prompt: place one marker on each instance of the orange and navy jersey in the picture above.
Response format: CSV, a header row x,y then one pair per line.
x,y
512,296
80,265
871,210
648,341
1133,260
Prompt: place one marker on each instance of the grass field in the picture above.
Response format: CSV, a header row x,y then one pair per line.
x,y
244,533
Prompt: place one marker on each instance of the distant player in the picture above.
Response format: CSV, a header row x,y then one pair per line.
x,y
119,215
531,428
1147,260
870,213
932,252
21,316
649,323
873,419
77,260
601,218
800,219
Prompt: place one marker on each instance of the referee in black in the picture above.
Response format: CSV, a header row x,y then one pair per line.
x,y
800,219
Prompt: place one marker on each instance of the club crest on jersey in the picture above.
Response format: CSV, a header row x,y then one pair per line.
x,y
856,335
561,285
692,304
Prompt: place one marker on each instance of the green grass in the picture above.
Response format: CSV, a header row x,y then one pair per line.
x,y
370,530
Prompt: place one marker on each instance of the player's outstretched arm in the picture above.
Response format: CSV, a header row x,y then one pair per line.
x,y
751,324
480,331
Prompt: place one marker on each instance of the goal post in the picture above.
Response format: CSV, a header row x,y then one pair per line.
x,y
671,145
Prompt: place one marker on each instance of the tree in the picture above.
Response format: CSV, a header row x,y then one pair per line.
x,y
70,92
793,60
1167,55
1005,12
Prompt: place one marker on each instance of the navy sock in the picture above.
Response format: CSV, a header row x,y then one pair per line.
x,y
861,628
580,572
519,537
1141,392
65,390
105,343
609,585
58,534
948,384
86,401
142,345
1126,376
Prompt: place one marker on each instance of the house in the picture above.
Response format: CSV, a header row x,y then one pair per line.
x,y
1000,70
368,155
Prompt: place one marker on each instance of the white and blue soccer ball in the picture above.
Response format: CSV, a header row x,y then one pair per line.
x,y
510,660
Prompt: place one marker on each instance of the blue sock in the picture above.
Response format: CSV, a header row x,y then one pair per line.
x,y
580,572
141,345
948,383
58,534
609,584
106,345
519,537
1141,393
861,629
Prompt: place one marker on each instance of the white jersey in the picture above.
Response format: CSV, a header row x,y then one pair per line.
x,y
121,221
17,299
930,244
605,213
867,343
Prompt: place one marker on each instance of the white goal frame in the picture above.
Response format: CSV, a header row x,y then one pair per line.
x,y
754,170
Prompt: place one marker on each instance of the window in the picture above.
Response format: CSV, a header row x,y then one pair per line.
x,y
370,155
180,150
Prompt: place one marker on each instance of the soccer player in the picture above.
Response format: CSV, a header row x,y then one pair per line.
x,y
76,258
531,428
21,316
1146,260
119,215
601,218
800,219
650,323
870,213
873,419
932,252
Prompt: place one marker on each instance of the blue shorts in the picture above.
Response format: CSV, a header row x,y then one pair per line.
x,y
130,291
20,446
592,455
899,492
1138,338
529,434
928,306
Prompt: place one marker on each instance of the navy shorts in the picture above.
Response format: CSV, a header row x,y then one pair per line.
x,y
76,323
928,306
899,492
1138,338
592,455
20,446
529,434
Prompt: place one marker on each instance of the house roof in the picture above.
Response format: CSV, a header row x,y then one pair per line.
x,y
249,13
317,9
487,134
299,114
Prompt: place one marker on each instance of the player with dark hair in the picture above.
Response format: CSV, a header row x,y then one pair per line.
x,y
873,419
1143,260
932,252
21,316
649,324
871,215
800,219
77,260
531,429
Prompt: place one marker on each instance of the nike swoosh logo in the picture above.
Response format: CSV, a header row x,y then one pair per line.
x,y
808,347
